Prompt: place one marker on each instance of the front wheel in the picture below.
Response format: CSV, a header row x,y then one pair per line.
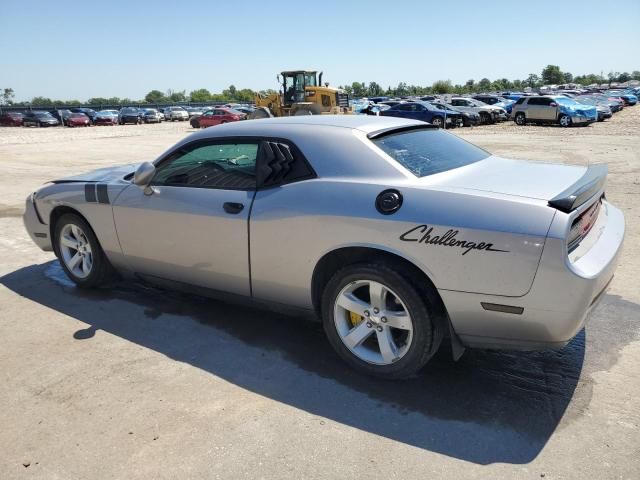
x,y
378,322
564,121
79,252
520,119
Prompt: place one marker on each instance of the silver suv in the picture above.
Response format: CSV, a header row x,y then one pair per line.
x,y
553,109
175,113
488,113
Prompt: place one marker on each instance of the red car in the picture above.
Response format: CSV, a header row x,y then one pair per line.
x,y
78,120
11,119
216,117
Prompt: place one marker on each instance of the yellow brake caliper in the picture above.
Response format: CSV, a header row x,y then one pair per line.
x,y
355,318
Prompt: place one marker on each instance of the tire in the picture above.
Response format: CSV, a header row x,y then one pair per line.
x,y
39,125
195,124
520,119
438,122
484,118
409,347
93,272
564,121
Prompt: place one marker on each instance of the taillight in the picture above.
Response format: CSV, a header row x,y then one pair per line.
x,y
583,224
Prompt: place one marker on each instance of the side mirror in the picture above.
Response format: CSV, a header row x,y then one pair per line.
x,y
143,176
553,104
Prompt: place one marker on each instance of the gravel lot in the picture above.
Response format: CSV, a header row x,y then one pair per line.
x,y
136,383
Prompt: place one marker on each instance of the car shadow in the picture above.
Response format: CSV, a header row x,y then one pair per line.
x,y
488,407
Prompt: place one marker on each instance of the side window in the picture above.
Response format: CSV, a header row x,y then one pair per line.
x,y
534,101
403,107
546,101
230,166
457,103
521,100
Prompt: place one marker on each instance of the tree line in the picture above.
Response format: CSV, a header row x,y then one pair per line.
x,y
550,75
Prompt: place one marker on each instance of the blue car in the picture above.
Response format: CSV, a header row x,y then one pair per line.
x,y
629,98
426,112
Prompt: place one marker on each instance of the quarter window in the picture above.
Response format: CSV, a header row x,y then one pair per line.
x,y
230,166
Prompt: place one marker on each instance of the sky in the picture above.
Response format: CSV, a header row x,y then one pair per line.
x,y
81,49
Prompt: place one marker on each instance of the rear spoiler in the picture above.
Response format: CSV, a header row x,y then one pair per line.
x,y
586,187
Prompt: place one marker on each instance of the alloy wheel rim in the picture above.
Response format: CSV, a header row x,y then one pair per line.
x,y
75,250
373,322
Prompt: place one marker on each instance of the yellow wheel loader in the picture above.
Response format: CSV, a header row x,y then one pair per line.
x,y
301,93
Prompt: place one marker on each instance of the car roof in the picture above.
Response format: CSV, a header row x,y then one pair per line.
x,y
363,123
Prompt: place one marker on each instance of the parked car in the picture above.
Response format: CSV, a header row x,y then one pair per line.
x,y
106,117
175,113
130,115
394,234
37,118
78,120
61,115
151,115
194,111
467,119
11,119
502,102
424,111
604,111
553,109
488,113
216,116
615,104
628,98
89,112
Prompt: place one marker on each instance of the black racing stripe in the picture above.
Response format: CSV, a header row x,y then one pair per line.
x,y
103,194
90,192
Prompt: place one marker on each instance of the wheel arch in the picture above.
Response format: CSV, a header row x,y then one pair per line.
x,y
58,212
336,259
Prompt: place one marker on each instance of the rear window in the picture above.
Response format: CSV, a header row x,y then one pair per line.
x,y
429,151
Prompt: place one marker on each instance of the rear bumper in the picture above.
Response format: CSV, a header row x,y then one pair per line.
x,y
565,291
37,230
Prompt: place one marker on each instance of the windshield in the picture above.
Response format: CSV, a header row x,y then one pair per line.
x,y
429,151
565,101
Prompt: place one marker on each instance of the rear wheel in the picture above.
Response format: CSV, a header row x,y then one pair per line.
x,y
79,252
378,322
437,121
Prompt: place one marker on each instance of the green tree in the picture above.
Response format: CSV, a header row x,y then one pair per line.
x,y
41,101
442,86
6,98
624,77
358,89
484,85
155,96
200,95
374,90
245,95
401,89
175,96
635,75
552,75
533,80
567,77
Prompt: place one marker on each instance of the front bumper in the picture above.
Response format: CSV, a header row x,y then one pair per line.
x,y
36,228
567,287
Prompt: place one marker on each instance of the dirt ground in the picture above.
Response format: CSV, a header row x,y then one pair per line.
x,y
134,383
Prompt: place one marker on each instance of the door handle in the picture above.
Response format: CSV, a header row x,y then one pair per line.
x,y
232,207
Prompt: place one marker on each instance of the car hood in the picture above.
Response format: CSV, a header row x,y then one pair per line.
x,y
505,176
109,174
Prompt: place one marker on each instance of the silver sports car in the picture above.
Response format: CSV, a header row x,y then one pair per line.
x,y
394,233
